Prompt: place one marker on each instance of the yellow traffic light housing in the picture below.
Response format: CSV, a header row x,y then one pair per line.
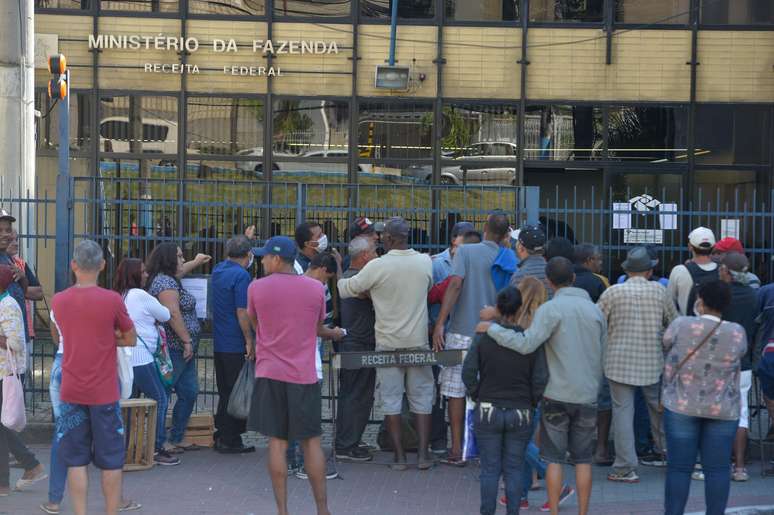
x,y
57,86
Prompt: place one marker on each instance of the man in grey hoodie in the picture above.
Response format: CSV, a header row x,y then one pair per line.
x,y
574,331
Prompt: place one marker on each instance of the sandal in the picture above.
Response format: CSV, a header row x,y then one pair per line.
x,y
740,475
189,447
130,506
454,461
173,449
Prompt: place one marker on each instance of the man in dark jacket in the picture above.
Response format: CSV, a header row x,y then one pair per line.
x,y
743,310
585,278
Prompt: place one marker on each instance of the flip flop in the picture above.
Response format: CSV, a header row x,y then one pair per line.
x,y
454,461
130,506
46,509
191,447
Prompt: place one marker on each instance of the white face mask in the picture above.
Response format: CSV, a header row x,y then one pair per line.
x,y
252,260
696,309
322,243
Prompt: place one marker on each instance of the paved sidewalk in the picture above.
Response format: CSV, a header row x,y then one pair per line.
x,y
210,483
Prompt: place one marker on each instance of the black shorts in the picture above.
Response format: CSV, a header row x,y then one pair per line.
x,y
566,427
286,411
91,433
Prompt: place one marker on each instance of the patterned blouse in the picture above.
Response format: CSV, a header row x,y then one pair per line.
x,y
707,385
164,282
12,327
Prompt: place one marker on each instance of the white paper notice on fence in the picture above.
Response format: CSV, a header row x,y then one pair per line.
x,y
622,217
669,220
729,228
644,236
197,286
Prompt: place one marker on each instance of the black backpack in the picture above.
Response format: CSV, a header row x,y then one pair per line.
x,y
700,277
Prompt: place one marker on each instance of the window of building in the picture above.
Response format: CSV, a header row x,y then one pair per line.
x,y
479,129
228,7
395,130
139,125
731,134
225,126
407,9
63,4
484,10
736,12
653,134
563,132
150,6
313,8
47,126
310,128
652,11
566,10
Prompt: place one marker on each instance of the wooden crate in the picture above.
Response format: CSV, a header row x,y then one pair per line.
x,y
200,430
139,417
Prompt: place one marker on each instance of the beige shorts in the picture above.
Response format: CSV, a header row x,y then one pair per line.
x,y
416,382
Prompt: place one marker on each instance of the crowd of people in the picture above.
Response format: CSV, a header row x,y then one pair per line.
x,y
555,359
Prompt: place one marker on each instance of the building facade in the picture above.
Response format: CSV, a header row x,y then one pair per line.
x,y
587,99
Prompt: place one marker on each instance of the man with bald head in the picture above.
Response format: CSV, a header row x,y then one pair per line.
x,y
398,283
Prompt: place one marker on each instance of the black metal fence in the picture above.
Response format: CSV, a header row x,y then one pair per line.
x,y
129,216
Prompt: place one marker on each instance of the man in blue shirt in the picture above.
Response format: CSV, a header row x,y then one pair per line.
x,y
232,337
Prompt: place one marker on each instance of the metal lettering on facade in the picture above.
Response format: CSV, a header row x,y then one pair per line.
x,y
356,360
221,46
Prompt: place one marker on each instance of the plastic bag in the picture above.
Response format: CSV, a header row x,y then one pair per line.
x,y
242,394
469,445
125,371
14,415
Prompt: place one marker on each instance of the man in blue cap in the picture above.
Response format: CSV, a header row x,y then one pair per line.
x,y
287,311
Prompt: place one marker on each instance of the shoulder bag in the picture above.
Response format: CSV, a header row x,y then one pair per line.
x,y
14,415
161,359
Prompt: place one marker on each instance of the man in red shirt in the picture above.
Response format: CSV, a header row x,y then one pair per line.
x,y
287,312
93,321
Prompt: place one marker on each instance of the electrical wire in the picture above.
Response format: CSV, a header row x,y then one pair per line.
x,y
49,109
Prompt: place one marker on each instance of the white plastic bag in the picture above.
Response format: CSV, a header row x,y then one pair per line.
x,y
14,415
125,371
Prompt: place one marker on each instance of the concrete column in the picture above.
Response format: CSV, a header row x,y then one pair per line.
x,y
17,97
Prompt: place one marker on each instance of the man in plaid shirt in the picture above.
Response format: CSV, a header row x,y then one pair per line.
x,y
637,312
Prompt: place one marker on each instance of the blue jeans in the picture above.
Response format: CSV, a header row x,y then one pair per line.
x,y
147,381
502,436
532,461
58,474
185,384
686,436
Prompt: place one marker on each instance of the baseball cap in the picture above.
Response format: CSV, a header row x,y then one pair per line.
x,y
736,262
702,238
532,237
281,246
397,226
729,244
5,215
460,228
362,225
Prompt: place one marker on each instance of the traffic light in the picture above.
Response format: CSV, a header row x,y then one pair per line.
x,y
57,86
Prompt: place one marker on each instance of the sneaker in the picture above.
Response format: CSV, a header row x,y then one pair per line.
x,y
164,458
654,460
292,470
567,492
523,504
438,448
369,448
330,471
740,475
624,477
697,475
354,454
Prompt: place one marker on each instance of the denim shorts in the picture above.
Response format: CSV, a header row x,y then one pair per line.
x,y
91,433
567,427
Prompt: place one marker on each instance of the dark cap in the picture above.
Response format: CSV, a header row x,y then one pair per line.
x,y
5,215
397,227
281,246
639,260
361,226
532,237
736,262
461,228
